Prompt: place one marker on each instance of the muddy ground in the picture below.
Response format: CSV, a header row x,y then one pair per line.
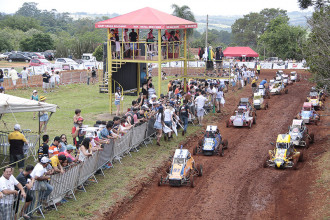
x,y
236,186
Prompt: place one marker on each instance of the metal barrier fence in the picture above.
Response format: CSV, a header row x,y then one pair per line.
x,y
28,149
66,77
77,174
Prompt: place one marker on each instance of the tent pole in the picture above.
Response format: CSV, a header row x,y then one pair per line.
x,y
159,62
185,61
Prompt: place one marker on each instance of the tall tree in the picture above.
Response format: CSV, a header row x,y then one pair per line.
x,y
38,42
185,13
29,9
247,30
282,39
317,48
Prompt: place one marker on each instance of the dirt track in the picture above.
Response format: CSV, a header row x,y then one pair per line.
x,y
234,186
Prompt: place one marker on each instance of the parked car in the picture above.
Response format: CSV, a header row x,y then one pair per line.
x,y
18,57
3,56
49,55
65,61
39,62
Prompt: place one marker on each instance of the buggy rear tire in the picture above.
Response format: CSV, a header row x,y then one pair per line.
x,y
160,181
200,170
254,120
192,181
311,137
264,162
225,144
195,151
221,152
301,156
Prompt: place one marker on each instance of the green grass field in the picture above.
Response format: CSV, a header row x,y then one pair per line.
x,y
117,181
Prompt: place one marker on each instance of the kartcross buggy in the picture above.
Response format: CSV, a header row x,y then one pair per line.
x,y
212,142
259,102
284,155
308,114
182,170
299,134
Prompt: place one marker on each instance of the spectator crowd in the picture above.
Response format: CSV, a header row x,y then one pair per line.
x,y
168,113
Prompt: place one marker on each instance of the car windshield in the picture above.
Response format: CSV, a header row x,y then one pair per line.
x,y
85,58
282,145
178,160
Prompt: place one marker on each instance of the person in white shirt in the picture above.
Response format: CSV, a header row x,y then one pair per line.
x,y
40,173
200,102
57,78
14,76
8,192
52,82
24,75
219,97
168,120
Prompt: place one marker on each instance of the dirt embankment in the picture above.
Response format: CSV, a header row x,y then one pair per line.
x,y
236,186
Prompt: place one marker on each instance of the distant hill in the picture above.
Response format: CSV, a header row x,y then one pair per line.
x,y
219,22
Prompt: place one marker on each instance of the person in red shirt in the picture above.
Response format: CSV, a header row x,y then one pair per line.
x,y
53,149
77,133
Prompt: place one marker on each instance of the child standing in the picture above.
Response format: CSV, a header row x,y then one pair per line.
x,y
36,98
76,116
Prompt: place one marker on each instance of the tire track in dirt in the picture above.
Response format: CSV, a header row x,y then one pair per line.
x,y
232,187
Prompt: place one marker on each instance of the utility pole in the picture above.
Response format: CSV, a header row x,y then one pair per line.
x,y
207,28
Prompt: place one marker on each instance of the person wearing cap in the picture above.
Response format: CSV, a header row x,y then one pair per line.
x,y
56,161
117,100
45,81
67,153
16,141
40,173
43,116
35,97
77,133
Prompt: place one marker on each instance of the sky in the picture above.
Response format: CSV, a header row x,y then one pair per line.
x,y
211,7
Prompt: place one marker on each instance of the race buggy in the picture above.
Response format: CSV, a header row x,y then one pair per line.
x,y
182,170
294,76
285,79
284,155
308,114
259,102
314,98
212,142
277,88
264,92
243,118
299,134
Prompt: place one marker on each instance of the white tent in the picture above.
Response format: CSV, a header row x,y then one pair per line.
x,y
13,104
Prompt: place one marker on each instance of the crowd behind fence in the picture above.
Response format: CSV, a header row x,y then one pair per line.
x,y
77,174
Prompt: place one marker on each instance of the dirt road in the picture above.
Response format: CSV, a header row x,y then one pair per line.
x,y
234,186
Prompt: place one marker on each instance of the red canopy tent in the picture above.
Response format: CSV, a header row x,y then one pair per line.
x,y
239,52
146,18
